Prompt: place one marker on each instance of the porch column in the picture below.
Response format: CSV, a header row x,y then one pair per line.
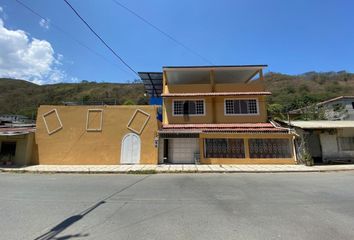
x,y
247,148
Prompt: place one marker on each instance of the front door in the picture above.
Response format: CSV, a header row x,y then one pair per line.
x,y
130,153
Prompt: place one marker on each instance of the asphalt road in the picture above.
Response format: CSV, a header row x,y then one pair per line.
x,y
177,206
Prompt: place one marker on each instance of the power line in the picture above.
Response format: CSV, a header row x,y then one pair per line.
x,y
100,38
163,32
31,10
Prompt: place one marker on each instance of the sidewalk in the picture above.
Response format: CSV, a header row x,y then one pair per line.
x,y
181,168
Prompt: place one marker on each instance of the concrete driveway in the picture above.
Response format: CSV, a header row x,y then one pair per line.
x,y
177,206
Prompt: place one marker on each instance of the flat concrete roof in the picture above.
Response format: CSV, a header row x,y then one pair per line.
x,y
321,124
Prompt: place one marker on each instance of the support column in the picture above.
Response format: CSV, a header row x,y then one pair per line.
x,y
213,104
247,148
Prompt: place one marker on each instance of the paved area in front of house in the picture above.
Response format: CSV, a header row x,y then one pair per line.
x,y
177,206
176,168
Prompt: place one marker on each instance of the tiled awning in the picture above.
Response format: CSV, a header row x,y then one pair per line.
x,y
225,127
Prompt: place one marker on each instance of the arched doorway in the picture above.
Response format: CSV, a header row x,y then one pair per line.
x,y
130,152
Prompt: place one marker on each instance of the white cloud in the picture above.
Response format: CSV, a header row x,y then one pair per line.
x,y
2,13
29,58
44,23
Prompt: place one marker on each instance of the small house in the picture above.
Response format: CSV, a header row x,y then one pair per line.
x,y
339,108
325,141
16,144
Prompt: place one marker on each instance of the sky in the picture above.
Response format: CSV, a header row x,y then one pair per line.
x,y
292,37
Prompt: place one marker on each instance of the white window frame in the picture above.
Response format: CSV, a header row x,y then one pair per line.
x,y
193,115
242,114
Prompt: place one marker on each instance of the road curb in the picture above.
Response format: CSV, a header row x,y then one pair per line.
x,y
169,171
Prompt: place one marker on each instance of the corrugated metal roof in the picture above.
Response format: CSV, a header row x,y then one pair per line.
x,y
152,83
214,94
321,124
15,131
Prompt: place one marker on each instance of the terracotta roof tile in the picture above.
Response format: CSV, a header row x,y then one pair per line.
x,y
225,127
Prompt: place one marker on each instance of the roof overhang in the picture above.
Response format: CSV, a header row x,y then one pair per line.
x,y
224,128
152,83
211,94
321,124
15,131
201,74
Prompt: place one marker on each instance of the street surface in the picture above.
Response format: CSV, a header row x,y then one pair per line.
x,y
177,206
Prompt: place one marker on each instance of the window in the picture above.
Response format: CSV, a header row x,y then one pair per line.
x,y
8,148
270,148
346,143
241,106
188,107
224,148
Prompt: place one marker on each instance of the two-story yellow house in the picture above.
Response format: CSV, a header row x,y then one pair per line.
x,y
218,115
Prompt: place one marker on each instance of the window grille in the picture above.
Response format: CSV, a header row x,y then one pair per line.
x,y
188,107
270,148
241,106
178,107
224,148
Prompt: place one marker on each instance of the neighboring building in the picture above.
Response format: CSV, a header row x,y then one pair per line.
x,y
325,141
15,119
217,115
339,108
16,144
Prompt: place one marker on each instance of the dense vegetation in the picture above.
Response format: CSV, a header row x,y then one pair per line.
x,y
22,97
289,92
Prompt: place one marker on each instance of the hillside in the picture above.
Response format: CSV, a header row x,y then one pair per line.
x,y
289,92
22,97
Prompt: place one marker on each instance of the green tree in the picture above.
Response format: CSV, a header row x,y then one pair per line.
x,y
129,102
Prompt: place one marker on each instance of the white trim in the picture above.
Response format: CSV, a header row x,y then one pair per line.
x,y
87,120
188,99
144,124
45,122
242,114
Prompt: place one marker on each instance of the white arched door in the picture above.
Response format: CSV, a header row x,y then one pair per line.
x,y
130,153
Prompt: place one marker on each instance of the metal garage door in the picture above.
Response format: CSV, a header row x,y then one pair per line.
x,y
182,150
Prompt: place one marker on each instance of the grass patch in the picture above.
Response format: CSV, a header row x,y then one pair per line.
x,y
148,171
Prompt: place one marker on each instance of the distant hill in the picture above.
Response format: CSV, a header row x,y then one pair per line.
x,y
22,97
289,92
295,91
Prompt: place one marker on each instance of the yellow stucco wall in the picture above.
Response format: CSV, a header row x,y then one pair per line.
x,y
214,111
74,145
24,148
